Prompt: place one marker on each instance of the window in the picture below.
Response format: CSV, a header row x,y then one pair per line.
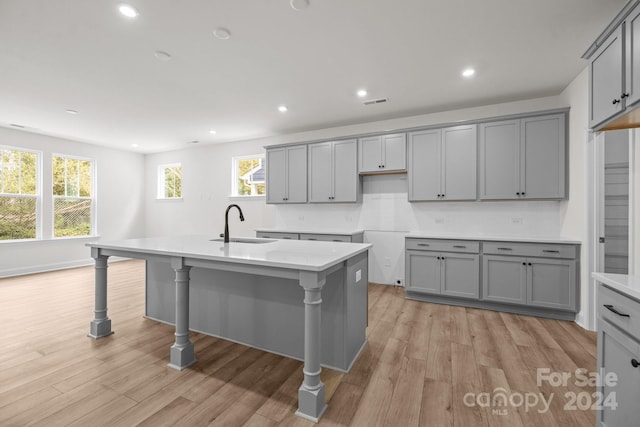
x,y
170,181
248,176
72,196
19,194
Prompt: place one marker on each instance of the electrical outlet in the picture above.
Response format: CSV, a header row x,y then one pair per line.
x,y
439,220
301,218
387,261
517,220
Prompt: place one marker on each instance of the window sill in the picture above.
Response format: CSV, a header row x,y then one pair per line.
x,y
173,199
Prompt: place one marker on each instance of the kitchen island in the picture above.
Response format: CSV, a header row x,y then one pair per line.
x,y
302,299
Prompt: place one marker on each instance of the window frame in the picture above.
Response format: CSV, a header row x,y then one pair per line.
x,y
161,181
92,197
235,177
37,196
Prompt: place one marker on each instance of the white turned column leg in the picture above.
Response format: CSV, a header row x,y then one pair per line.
x,y
101,324
182,351
311,404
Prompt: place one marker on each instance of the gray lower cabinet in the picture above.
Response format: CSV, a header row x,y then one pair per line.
x,y
536,282
333,172
382,153
442,164
523,159
443,273
618,329
520,277
287,174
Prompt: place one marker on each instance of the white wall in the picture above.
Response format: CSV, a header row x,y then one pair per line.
x,y
120,208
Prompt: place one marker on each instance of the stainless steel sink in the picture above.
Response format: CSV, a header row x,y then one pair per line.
x,y
244,240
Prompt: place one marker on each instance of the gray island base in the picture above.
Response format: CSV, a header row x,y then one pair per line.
x,y
300,299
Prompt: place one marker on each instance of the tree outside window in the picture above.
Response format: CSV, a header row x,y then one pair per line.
x,y
170,181
248,176
72,196
19,194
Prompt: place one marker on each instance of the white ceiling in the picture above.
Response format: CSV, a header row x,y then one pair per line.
x,y
83,55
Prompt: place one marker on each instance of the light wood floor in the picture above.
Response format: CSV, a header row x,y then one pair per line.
x,y
421,364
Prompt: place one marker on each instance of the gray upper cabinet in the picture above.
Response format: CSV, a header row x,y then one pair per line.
x,y
382,153
500,160
632,60
542,170
287,174
523,159
442,164
606,79
333,172
614,75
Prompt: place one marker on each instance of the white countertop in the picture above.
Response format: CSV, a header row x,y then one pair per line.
x,y
628,285
494,238
310,231
293,254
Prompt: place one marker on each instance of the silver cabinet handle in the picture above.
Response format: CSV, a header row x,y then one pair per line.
x,y
505,249
549,251
423,244
459,246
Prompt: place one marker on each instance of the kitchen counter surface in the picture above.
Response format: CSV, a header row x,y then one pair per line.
x,y
344,232
293,254
628,285
494,238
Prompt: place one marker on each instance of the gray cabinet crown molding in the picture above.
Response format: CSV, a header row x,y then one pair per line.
x,y
613,25
563,110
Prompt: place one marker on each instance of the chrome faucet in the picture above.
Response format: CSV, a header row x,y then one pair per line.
x,y
226,221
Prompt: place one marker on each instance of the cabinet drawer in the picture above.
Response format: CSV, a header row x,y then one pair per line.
x,y
463,246
530,249
277,235
628,310
326,237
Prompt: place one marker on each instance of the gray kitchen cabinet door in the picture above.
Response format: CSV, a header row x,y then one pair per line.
x,y
297,174
499,160
345,171
632,57
423,271
459,159
542,163
616,351
551,283
424,165
320,172
370,154
394,152
504,279
606,79
276,175
460,273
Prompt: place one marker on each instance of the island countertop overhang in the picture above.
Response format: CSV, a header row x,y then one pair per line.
x,y
287,254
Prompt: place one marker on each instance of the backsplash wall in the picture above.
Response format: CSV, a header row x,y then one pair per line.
x,y
387,216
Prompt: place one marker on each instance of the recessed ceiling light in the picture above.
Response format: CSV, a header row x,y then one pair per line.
x,y
283,109
72,112
161,55
362,93
128,11
299,4
212,132
193,142
468,72
222,33
135,145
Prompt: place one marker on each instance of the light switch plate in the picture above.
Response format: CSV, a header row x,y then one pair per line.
x,y
358,275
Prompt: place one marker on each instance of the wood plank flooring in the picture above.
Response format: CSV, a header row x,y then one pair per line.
x,y
424,365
